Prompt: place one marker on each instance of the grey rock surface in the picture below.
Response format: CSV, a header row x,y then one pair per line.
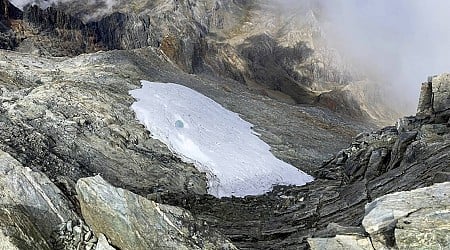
x,y
375,164
103,243
69,118
132,222
74,235
34,194
281,53
419,219
340,242
18,232
441,93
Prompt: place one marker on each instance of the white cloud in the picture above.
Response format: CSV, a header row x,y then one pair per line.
x,y
399,43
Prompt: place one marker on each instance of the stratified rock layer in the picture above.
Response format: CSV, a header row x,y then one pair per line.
x,y
133,222
412,155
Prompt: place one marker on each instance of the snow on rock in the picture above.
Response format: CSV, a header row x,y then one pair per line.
x,y
216,140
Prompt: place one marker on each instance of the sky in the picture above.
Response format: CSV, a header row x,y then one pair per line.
x,y
398,43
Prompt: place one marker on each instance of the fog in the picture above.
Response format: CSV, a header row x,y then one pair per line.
x,y
396,43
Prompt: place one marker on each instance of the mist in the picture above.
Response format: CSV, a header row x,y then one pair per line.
x,y
395,43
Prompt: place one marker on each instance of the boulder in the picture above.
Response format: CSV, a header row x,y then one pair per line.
x,y
425,106
418,219
34,194
103,243
340,242
17,231
426,228
133,222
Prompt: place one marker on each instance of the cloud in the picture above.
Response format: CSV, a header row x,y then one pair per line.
x,y
396,43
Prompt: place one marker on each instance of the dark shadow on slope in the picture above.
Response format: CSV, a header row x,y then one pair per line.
x,y
271,66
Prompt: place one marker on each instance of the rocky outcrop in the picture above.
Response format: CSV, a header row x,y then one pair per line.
x,y
34,194
435,96
32,207
418,144
340,242
18,232
132,222
441,94
70,118
416,219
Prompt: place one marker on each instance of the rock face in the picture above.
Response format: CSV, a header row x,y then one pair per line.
x,y
34,194
18,232
434,96
31,207
72,117
280,53
441,93
418,219
340,242
133,222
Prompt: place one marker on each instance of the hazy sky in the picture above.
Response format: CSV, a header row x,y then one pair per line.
x,y
399,42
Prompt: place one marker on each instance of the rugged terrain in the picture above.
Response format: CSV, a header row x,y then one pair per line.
x,y
80,172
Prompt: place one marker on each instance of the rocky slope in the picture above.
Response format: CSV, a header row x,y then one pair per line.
x,y
278,52
69,118
412,155
80,172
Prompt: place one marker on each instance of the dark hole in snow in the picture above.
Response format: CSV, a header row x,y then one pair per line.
x,y
179,124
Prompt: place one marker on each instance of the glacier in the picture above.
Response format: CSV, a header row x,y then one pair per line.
x,y
217,141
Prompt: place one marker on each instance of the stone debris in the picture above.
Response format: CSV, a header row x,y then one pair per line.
x,y
74,235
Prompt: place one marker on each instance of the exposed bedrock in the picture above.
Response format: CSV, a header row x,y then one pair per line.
x,y
283,56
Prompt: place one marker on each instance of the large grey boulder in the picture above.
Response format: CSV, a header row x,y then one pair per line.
x,y
32,195
132,222
419,219
340,242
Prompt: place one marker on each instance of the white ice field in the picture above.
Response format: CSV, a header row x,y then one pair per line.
x,y
217,141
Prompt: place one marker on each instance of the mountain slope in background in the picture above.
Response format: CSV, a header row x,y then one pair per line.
x,y
78,171
278,52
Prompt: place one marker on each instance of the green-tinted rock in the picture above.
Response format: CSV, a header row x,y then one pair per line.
x,y
424,229
18,232
42,202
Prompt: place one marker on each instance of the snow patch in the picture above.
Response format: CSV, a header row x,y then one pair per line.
x,y
216,140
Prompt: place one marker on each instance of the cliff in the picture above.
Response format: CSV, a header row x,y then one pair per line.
x,y
275,52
